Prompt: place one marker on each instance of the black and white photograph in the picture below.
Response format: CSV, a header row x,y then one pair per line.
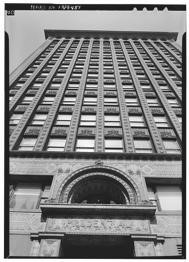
x,y
95,166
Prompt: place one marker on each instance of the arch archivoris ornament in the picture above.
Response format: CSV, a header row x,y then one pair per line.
x,y
125,181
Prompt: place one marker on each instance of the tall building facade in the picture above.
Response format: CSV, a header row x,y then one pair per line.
x,y
95,147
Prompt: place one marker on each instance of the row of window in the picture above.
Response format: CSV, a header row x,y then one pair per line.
x,y
90,120
27,196
92,101
111,145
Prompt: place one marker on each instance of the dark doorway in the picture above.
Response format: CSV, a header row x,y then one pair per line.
x,y
97,247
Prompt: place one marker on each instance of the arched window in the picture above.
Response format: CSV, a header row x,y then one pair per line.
x,y
98,190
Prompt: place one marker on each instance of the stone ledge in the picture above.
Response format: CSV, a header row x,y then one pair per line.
x,y
113,210
95,155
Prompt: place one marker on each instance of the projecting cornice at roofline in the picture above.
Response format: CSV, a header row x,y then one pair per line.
x,y
112,34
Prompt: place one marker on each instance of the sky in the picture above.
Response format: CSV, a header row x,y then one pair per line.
x,y
26,28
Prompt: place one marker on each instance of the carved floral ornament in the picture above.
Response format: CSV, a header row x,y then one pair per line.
x,y
113,176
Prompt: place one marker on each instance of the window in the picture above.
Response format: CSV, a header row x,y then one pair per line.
x,y
56,144
27,144
179,119
91,86
35,86
145,87
27,100
48,100
131,101
161,121
112,120
110,101
15,119
152,102
173,102
11,97
88,120
90,101
63,119
142,146
166,197
136,121
39,119
26,196
69,100
127,87
113,145
171,146
85,145
164,88
54,86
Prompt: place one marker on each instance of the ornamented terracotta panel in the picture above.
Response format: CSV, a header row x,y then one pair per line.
x,y
97,226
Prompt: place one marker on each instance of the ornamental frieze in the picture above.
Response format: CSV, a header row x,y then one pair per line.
x,y
167,133
43,109
97,226
58,131
111,110
140,133
65,109
86,132
113,132
21,108
134,110
178,111
33,131
158,111
89,109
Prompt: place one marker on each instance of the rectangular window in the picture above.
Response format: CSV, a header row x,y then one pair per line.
x,y
161,121
171,146
26,196
136,121
27,144
179,119
170,197
152,102
27,100
131,101
166,197
113,145
112,120
127,87
142,146
69,100
110,101
85,145
173,102
15,119
88,120
39,119
48,100
90,101
56,144
63,120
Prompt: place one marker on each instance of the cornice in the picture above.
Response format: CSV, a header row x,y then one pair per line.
x,y
49,33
